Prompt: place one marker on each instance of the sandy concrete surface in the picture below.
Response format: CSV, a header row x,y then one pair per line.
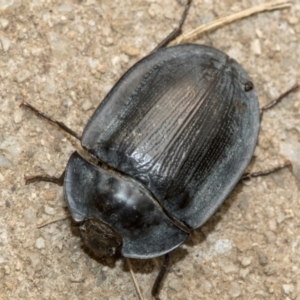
x,y
63,57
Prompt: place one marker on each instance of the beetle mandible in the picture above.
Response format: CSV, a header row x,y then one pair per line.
x,y
173,137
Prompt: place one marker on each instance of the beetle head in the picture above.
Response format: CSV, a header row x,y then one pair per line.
x,y
100,237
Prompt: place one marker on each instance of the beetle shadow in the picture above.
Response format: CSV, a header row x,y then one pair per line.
x,y
199,235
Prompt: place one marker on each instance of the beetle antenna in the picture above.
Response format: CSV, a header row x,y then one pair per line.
x,y
40,114
134,279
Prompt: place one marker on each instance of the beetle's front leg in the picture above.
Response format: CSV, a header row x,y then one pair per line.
x,y
57,180
44,116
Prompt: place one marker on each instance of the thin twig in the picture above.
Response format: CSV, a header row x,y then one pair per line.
x,y
273,5
53,221
134,279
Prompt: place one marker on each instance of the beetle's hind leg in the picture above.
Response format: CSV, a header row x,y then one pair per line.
x,y
177,31
57,180
270,105
279,99
248,176
160,277
40,114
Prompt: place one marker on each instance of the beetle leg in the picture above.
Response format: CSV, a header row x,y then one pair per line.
x,y
40,114
247,176
279,99
57,180
176,32
160,277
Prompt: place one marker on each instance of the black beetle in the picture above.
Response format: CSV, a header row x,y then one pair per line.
x,y
173,137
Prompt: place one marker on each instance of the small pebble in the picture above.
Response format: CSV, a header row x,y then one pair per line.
x,y
271,269
63,8
262,258
175,285
273,225
86,105
7,270
115,60
92,23
235,290
5,42
29,215
18,116
22,76
73,95
18,266
61,47
228,267
280,218
154,10
131,51
293,20
246,261
40,243
244,273
207,286
49,210
287,289
271,237
222,246
4,23
259,33
255,47
9,285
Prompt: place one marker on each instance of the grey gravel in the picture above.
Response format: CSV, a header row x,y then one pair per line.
x,y
263,260
63,57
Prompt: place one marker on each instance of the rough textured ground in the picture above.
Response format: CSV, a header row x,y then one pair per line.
x,y
63,57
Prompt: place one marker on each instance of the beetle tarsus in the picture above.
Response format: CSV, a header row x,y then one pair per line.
x,y
57,180
40,114
248,176
176,32
160,277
